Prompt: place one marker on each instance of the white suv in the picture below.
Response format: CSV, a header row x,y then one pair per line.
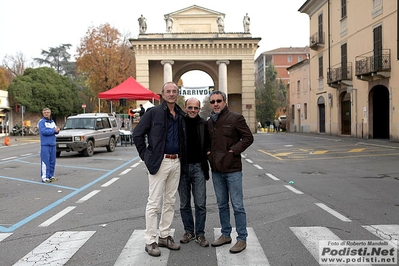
x,y
84,132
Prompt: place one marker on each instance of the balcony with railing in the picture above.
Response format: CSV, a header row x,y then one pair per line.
x,y
316,40
374,66
340,75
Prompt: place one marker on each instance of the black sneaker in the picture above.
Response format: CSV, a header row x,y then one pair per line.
x,y
187,237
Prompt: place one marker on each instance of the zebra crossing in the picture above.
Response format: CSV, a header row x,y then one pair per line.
x,y
60,247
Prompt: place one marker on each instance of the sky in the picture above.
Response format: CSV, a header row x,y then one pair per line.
x,y
32,26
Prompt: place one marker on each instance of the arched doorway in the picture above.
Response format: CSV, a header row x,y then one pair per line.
x,y
322,114
379,105
345,113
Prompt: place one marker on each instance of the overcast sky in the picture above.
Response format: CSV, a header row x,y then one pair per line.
x,y
28,26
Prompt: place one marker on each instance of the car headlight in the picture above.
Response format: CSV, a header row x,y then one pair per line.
x,y
78,138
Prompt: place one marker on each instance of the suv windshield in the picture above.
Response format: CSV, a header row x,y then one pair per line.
x,y
80,123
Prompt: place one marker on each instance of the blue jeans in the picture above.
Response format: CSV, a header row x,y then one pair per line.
x,y
193,182
230,185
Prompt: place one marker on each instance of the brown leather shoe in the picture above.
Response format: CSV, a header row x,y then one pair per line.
x,y
168,242
187,237
221,241
238,247
201,240
152,249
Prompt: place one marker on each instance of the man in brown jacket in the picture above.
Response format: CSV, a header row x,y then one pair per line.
x,y
229,137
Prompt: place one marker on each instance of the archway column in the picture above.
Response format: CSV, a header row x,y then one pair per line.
x,y
223,75
167,70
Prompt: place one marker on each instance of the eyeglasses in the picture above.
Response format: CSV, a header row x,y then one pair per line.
x,y
213,101
196,108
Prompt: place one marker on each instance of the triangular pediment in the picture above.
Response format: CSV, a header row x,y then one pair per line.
x,y
194,10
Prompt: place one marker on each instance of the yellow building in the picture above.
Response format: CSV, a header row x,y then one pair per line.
x,y
353,61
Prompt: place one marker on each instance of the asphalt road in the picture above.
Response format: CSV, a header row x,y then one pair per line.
x,y
299,189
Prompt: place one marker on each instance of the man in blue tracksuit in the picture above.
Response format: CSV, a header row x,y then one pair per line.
x,y
48,129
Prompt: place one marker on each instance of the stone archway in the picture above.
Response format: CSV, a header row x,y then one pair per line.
x,y
195,42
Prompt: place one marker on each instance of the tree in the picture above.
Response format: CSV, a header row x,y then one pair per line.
x,y
15,64
104,59
43,87
59,59
265,97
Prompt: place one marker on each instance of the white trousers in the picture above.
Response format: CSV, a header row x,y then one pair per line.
x,y
162,189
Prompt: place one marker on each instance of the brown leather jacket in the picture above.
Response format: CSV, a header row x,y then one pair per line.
x,y
229,132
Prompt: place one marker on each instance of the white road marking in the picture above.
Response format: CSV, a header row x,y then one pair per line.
x,y
134,252
4,236
125,172
272,177
9,158
333,212
252,255
249,161
88,196
310,237
57,216
258,166
57,249
293,189
386,232
135,165
110,182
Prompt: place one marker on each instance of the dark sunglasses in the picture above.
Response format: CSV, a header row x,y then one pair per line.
x,y
213,101
196,108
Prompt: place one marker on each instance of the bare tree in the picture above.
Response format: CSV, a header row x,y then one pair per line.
x,y
15,64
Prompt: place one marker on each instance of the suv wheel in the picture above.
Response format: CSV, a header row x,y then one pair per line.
x,y
111,145
89,151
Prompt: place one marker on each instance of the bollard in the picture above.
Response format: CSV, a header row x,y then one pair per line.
x,y
7,141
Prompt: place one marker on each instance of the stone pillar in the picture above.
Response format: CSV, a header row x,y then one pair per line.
x,y
223,75
167,70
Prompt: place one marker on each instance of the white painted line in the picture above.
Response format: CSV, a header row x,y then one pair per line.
x,y
135,165
333,212
88,196
258,166
57,249
110,182
9,158
386,232
134,252
4,236
23,155
293,189
252,255
310,237
125,172
272,177
249,161
57,216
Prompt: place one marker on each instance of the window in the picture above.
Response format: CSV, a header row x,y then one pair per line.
x,y
289,58
320,28
293,111
300,58
305,110
321,67
344,61
298,89
343,8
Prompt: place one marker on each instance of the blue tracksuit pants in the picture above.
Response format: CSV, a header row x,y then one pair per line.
x,y
47,158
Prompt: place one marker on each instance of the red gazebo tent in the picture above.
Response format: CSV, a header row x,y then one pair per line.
x,y
130,89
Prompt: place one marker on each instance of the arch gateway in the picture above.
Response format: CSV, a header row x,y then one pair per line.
x,y
193,40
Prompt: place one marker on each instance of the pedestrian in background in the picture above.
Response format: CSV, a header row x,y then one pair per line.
x,y
142,111
165,130
194,181
267,124
47,129
229,137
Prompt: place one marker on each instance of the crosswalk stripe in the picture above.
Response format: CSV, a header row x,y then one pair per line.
x,y
252,255
310,237
386,232
4,236
57,249
134,254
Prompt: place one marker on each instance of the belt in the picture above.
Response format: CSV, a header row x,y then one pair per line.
x,y
172,156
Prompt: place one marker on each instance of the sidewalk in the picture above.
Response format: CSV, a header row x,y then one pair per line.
x,y
16,139
386,143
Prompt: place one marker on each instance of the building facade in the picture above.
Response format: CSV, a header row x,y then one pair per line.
x,y
353,60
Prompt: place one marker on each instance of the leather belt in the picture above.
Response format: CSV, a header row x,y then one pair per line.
x,y
172,156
